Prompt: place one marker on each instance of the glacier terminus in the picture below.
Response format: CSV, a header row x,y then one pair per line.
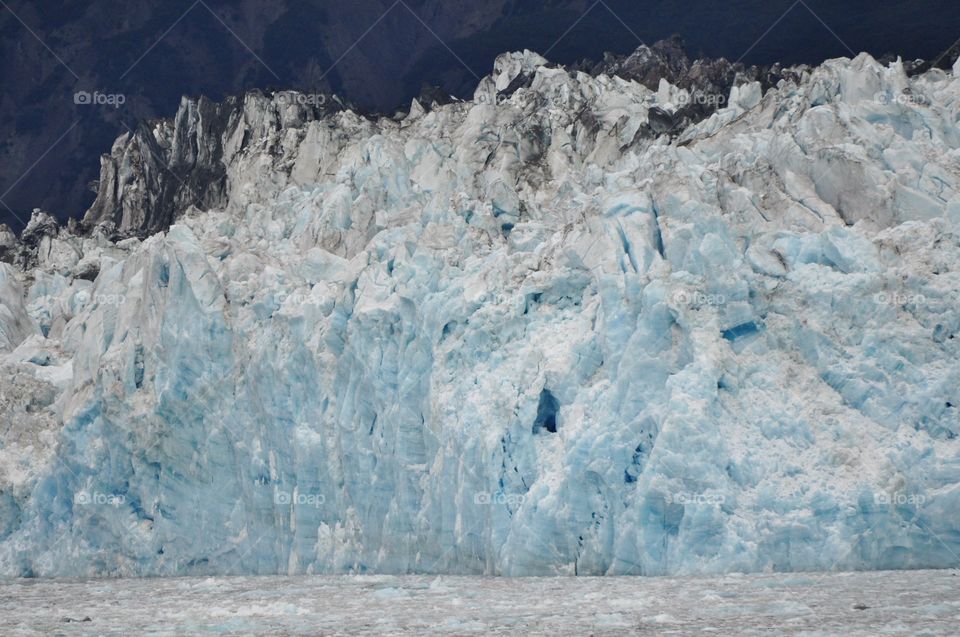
x,y
560,328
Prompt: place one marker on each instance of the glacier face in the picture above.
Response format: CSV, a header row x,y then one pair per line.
x,y
511,336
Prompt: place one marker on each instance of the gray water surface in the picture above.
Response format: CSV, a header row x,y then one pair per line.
x,y
868,603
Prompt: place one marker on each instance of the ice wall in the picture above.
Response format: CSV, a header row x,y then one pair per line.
x,y
518,335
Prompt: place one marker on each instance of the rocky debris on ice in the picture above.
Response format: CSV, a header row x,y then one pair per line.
x,y
165,168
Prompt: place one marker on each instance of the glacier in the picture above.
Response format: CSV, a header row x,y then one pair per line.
x,y
526,334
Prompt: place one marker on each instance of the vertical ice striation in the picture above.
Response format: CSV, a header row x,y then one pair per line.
x,y
518,335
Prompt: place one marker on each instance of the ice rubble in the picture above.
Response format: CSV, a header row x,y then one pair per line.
x,y
743,338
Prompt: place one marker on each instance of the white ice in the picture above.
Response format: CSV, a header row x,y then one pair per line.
x,y
512,336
